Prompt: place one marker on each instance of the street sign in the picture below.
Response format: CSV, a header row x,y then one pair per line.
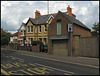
x,y
70,28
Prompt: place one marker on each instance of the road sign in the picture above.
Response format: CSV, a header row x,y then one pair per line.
x,y
70,28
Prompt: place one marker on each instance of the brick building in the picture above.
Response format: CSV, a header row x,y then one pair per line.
x,y
58,35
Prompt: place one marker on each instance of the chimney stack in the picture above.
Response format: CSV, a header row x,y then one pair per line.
x,y
37,13
69,11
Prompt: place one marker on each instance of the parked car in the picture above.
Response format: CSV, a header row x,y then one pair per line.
x,y
44,48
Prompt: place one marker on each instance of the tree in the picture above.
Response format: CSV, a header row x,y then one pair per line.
x,y
95,28
5,38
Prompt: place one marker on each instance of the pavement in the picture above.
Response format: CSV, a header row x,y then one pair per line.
x,y
81,60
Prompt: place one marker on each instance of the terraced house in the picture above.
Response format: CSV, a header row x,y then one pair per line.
x,y
37,28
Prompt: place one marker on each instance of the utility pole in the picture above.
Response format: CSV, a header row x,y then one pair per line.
x,y
48,7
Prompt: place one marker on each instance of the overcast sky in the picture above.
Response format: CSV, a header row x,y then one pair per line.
x,y
13,13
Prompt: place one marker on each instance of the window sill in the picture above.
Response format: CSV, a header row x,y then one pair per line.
x,y
45,32
21,35
29,32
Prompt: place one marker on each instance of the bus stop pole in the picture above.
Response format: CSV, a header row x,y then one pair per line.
x,y
71,42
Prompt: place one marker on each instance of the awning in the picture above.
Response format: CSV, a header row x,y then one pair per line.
x,y
59,37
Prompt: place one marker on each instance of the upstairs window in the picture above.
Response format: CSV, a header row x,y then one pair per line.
x,y
21,32
28,29
31,29
24,32
59,27
45,28
40,29
35,29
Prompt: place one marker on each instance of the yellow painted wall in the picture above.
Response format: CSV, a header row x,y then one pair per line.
x,y
30,34
40,35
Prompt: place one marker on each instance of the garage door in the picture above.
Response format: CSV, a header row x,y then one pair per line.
x,y
60,47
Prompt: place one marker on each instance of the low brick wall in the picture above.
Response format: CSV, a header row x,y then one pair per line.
x,y
36,48
9,47
23,48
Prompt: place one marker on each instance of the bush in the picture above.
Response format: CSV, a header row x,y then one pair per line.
x,y
12,44
4,41
36,42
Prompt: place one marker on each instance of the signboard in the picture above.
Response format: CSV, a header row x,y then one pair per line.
x,y
70,28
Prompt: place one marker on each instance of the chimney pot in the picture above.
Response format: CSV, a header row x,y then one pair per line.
x,y
69,10
37,13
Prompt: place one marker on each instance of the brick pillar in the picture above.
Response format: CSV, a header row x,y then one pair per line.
x,y
76,38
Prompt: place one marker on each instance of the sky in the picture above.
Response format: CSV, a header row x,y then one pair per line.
x,y
13,13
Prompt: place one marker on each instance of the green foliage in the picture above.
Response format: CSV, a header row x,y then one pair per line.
x,y
24,38
11,44
5,38
36,42
4,41
96,29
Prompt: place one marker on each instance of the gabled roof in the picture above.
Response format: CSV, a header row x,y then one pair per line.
x,y
23,24
40,20
43,19
75,21
15,34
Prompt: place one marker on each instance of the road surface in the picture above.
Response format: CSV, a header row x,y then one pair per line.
x,y
17,63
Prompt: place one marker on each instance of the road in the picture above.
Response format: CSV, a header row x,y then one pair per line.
x,y
17,63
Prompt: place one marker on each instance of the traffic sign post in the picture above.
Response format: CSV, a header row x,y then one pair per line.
x,y
70,29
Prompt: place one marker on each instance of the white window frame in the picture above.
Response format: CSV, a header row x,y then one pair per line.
x,y
44,40
35,29
31,29
22,32
30,40
45,28
27,29
39,29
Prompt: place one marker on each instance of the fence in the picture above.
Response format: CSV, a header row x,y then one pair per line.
x,y
89,47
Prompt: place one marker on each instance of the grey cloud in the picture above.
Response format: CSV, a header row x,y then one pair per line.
x,y
24,9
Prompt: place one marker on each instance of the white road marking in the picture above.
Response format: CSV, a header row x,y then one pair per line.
x,y
54,68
